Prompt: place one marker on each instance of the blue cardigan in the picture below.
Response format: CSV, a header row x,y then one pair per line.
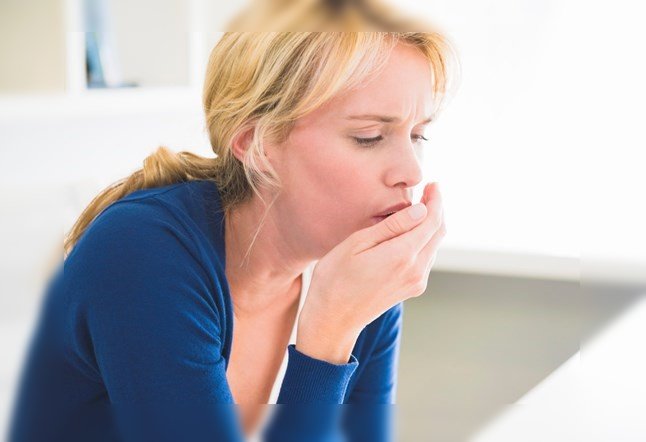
x,y
135,332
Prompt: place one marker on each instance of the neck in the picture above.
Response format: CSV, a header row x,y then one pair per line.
x,y
269,279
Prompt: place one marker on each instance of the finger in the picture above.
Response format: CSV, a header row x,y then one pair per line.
x,y
428,253
416,238
429,267
425,196
391,227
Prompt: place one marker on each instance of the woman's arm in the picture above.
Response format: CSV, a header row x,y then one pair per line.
x,y
145,317
370,413
155,334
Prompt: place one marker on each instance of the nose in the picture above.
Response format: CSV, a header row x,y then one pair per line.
x,y
405,169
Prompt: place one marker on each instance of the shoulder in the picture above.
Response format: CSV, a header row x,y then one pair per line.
x,y
127,225
138,249
165,219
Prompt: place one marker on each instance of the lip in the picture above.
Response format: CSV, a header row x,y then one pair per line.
x,y
395,208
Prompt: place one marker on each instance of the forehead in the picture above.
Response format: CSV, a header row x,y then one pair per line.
x,y
403,89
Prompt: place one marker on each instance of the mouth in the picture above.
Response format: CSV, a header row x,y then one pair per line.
x,y
379,218
391,211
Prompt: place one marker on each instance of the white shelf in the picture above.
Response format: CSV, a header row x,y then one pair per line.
x,y
77,100
536,265
100,102
508,263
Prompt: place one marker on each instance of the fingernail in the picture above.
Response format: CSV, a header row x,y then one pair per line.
x,y
417,211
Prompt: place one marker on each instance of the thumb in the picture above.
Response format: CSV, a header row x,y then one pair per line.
x,y
393,226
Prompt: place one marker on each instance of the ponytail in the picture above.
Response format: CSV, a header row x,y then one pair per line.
x,y
161,168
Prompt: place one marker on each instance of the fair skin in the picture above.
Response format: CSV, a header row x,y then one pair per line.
x,y
332,187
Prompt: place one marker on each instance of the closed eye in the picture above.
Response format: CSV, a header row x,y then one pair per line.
x,y
375,140
368,141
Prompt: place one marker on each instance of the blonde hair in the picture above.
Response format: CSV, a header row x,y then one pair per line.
x,y
263,82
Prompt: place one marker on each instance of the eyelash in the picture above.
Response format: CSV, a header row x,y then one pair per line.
x,y
369,142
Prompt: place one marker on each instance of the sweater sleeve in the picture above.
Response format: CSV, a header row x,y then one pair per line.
x,y
142,312
154,333
309,402
366,416
370,413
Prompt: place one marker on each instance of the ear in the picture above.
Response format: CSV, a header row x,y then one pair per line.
x,y
241,143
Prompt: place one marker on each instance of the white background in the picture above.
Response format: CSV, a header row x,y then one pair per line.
x,y
539,154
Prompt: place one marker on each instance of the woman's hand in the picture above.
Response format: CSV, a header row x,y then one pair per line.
x,y
365,275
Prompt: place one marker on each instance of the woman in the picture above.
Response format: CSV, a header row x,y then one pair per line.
x,y
183,291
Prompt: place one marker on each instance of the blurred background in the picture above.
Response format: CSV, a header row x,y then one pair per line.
x,y
534,320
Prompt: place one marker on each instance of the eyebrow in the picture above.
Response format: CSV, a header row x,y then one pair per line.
x,y
383,118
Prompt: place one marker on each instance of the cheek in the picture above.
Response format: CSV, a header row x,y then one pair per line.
x,y
339,211
331,184
340,194
325,170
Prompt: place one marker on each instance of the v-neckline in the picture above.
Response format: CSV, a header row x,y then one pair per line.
x,y
305,281
278,381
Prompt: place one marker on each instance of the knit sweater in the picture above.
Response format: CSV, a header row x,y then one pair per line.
x,y
135,332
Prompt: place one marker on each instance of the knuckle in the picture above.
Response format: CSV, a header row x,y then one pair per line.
x,y
411,280
394,225
406,255
417,279
411,253
404,260
419,288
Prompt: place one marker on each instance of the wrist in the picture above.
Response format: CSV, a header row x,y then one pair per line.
x,y
333,348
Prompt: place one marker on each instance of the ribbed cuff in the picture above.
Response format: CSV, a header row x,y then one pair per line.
x,y
313,380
